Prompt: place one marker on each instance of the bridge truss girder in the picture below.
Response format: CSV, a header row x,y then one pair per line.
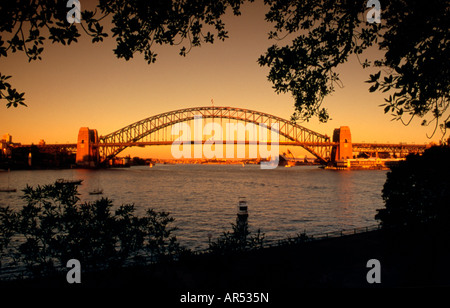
x,y
399,149
114,143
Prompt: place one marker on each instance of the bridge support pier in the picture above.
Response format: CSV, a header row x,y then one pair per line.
x,y
344,148
87,153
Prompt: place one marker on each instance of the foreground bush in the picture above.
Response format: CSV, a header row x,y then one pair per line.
x,y
54,227
417,192
239,239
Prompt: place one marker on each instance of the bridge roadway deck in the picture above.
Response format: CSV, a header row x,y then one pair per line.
x,y
193,142
356,146
359,146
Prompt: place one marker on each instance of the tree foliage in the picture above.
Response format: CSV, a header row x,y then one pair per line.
x,y
417,191
54,227
326,33
137,26
413,39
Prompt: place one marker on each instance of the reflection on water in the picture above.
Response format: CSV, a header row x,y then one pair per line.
x,y
203,198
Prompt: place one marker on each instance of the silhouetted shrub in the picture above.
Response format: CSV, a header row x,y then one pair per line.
x,y
8,225
54,227
417,191
239,239
300,238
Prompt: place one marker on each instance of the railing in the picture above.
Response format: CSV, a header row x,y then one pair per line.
x,y
305,237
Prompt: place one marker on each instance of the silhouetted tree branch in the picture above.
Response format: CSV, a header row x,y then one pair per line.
x,y
137,26
413,37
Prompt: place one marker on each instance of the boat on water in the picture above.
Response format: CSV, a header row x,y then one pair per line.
x,y
68,182
96,191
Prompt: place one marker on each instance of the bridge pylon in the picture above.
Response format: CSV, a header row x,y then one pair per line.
x,y
87,150
344,149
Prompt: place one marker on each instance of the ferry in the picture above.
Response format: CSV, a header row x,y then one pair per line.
x,y
96,191
68,182
7,189
365,164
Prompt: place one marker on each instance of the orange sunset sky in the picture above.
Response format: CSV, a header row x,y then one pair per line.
x,y
84,84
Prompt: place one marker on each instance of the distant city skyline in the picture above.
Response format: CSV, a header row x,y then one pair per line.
x,y
85,85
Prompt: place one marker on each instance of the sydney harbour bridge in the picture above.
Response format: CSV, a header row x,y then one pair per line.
x,y
93,150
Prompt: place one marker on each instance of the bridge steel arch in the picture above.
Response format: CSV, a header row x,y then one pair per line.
x,y
112,144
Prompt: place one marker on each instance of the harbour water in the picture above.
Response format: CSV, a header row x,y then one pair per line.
x,y
203,199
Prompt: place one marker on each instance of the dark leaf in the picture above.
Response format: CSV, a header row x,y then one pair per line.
x,y
374,87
